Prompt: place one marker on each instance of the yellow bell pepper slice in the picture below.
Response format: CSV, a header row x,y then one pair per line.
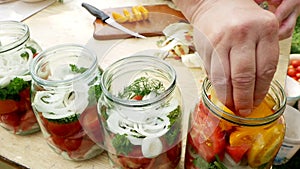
x,y
136,13
144,12
225,125
266,145
119,17
263,110
128,15
245,136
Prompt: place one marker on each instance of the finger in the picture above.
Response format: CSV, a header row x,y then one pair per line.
x,y
284,10
287,26
267,54
243,70
220,74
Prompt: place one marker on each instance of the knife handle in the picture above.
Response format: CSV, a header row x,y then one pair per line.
x,y
95,11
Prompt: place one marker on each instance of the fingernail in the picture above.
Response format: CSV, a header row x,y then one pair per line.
x,y
245,112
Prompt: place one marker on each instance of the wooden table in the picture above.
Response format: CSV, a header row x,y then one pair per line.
x,y
70,23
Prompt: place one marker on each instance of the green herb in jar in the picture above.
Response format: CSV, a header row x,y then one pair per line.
x,y
141,87
122,144
76,69
12,90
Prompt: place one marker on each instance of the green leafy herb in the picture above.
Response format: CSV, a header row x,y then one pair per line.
x,y
94,93
75,69
172,135
295,46
65,120
173,116
12,90
142,87
122,144
25,55
201,163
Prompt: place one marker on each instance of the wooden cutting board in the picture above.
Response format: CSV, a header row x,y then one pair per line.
x,y
160,16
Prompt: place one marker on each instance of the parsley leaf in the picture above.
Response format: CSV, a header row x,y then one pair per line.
x,y
75,69
122,144
173,116
94,93
12,90
66,120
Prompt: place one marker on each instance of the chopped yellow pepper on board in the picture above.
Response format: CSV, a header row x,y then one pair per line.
x,y
139,13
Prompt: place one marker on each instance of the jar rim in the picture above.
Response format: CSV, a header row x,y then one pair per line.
x,y
135,59
216,110
57,48
19,41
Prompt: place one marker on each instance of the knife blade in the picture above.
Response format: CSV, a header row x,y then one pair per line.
x,y
107,19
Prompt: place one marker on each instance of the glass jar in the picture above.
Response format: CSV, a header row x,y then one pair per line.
x,y
17,50
219,138
141,114
65,90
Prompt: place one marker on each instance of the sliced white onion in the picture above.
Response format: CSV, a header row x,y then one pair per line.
x,y
113,123
13,66
53,104
151,95
151,147
135,140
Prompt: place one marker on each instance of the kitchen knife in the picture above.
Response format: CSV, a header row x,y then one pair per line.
x,y
105,18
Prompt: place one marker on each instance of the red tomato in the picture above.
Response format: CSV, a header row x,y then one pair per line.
x,y
10,119
67,144
137,97
206,136
291,72
85,146
297,75
25,94
27,120
34,55
295,62
8,106
189,159
174,153
60,129
237,152
298,69
91,124
134,160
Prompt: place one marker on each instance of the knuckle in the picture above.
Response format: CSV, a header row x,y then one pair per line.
x,y
270,23
243,80
267,72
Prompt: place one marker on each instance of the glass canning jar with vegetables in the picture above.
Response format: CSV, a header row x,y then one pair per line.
x,y
219,138
140,111
17,50
65,90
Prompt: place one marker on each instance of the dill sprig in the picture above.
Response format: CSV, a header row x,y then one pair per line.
x,y
142,87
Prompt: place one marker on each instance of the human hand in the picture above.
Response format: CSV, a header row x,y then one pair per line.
x,y
238,42
286,12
